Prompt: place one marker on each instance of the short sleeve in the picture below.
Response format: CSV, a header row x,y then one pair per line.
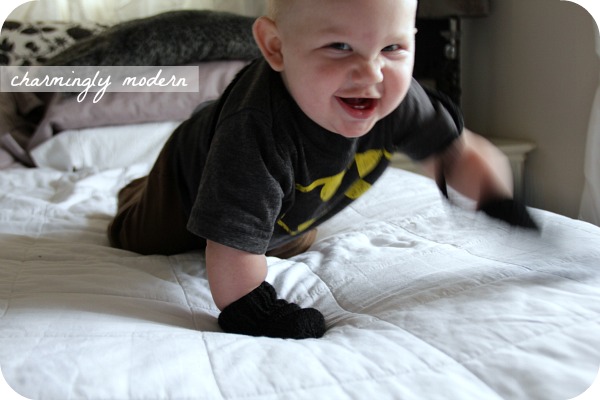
x,y
425,123
240,194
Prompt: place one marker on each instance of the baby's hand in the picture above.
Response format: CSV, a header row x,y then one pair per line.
x,y
510,211
260,313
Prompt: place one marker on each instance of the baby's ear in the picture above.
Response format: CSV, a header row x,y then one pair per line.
x,y
267,37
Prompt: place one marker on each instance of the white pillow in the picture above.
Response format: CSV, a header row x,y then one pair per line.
x,y
104,148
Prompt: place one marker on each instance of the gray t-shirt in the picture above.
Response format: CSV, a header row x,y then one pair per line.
x,y
256,172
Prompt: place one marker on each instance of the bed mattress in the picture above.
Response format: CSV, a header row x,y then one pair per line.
x,y
423,300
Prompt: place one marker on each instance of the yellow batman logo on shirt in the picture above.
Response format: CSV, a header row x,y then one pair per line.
x,y
301,228
330,186
365,164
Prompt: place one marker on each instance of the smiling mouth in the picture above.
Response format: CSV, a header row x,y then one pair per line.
x,y
358,107
358,103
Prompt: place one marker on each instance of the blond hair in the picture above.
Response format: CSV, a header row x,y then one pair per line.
x,y
275,8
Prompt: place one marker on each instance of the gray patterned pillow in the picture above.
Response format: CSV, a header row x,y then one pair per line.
x,y
32,43
171,38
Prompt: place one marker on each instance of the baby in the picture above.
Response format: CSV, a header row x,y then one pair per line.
x,y
296,137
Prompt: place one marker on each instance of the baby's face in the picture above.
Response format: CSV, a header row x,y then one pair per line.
x,y
348,63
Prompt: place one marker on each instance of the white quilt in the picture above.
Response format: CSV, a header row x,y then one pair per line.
x,y
422,300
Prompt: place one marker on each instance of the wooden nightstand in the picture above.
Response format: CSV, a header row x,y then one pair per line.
x,y
515,149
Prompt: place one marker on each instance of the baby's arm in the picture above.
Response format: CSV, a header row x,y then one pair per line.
x,y
232,273
248,304
477,169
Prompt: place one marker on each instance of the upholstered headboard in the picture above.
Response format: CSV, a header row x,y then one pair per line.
x,y
437,60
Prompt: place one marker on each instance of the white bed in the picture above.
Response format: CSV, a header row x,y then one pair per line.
x,y
423,300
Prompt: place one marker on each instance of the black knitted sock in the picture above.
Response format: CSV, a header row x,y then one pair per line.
x,y
260,313
510,211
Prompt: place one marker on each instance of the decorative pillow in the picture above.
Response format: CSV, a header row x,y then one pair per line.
x,y
32,43
105,147
171,38
190,37
120,108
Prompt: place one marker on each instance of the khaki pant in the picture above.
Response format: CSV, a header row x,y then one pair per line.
x,y
150,219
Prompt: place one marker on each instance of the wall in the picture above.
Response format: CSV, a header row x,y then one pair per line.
x,y
530,71
114,11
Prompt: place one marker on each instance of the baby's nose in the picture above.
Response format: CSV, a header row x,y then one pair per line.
x,y
368,72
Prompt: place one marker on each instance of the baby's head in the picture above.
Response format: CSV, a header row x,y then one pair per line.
x,y
274,8
347,63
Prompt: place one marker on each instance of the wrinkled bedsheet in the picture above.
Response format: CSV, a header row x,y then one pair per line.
x,y
423,300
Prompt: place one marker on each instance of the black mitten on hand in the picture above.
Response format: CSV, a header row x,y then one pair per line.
x,y
260,313
510,211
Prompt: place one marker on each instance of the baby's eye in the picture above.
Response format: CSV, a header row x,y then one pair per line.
x,y
392,47
340,46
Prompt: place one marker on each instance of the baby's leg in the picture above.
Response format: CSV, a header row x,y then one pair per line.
x,y
149,218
